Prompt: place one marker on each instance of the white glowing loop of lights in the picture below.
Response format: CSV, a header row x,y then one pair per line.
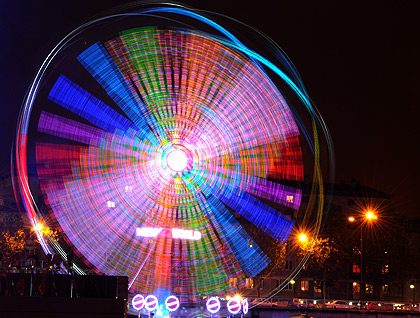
x,y
172,303
151,303
234,306
138,302
213,305
245,306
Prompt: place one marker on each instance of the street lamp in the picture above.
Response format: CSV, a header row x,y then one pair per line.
x,y
368,216
303,238
38,227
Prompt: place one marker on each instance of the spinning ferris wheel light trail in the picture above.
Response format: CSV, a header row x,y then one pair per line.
x,y
161,149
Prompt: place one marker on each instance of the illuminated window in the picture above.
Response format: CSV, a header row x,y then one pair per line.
x,y
289,198
369,289
110,204
317,287
304,285
356,250
356,268
385,289
233,282
385,269
249,283
288,264
356,288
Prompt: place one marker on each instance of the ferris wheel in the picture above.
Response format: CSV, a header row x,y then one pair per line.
x,y
160,145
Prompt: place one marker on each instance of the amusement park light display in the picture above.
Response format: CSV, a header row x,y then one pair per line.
x,y
150,141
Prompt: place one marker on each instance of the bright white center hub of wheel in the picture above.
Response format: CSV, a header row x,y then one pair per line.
x,y
177,160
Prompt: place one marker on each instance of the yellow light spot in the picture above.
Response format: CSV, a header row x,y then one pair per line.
x,y
303,237
370,215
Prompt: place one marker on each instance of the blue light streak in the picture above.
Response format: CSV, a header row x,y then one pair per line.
x,y
272,222
101,66
252,260
79,101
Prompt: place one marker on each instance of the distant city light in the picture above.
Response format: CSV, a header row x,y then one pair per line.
x,y
351,219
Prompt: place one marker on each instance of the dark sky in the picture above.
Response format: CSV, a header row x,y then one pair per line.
x,y
359,62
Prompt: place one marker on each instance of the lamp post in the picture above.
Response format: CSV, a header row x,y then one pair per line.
x,y
303,242
414,293
368,216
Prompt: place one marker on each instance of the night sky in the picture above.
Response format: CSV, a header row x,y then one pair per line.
x,y
359,63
